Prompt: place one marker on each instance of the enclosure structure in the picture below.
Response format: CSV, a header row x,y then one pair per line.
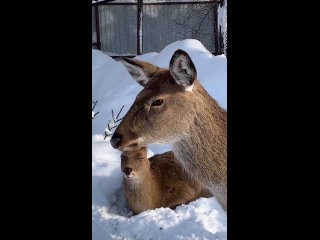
x,y
133,27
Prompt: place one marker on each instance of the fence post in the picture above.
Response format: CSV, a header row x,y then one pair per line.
x,y
140,27
215,29
96,13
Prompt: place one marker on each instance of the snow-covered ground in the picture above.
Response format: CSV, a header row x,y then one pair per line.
x,y
113,87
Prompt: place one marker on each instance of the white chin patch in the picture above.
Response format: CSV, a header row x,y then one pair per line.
x,y
132,179
128,176
189,88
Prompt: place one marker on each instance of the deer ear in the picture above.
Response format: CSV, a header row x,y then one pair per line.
x,y
140,71
182,69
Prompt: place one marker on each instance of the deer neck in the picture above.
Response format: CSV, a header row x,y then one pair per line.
x,y
203,149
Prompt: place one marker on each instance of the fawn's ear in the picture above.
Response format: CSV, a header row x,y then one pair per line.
x,y
182,69
140,71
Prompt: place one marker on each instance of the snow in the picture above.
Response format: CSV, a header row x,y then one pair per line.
x,y
201,219
222,21
113,87
94,114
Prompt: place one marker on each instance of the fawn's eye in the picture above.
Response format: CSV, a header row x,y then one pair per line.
x,y
157,102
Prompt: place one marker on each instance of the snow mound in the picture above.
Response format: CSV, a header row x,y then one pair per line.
x,y
111,219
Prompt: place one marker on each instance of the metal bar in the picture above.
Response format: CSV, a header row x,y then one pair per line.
x,y
118,57
215,29
96,13
116,3
156,3
221,46
139,27
105,1
174,3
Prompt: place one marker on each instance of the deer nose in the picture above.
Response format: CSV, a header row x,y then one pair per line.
x,y
115,140
127,170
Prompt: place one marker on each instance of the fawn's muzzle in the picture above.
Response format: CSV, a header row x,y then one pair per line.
x,y
127,171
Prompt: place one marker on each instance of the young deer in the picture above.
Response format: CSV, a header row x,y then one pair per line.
x,y
156,182
174,108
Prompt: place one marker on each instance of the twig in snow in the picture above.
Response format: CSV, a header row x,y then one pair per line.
x,y
94,105
112,123
120,112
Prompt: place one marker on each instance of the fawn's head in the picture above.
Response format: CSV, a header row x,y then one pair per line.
x,y
164,109
134,163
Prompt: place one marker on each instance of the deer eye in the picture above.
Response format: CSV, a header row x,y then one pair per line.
x,y
157,102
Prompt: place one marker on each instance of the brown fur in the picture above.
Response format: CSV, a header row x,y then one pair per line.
x,y
189,119
157,182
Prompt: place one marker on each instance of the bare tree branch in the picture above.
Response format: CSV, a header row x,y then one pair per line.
x,y
194,30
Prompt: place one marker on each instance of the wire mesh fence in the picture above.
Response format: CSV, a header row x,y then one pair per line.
x,y
132,27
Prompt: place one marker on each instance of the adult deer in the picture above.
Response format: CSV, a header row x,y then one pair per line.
x,y
174,108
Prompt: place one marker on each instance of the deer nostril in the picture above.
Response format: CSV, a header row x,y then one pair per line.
x,y
115,140
127,171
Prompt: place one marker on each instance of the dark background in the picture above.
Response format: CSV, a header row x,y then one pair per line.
x,y
46,127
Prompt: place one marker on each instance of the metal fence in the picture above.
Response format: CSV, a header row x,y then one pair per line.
x,y
132,27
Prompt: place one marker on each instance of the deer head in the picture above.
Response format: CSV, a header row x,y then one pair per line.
x,y
164,110
134,163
